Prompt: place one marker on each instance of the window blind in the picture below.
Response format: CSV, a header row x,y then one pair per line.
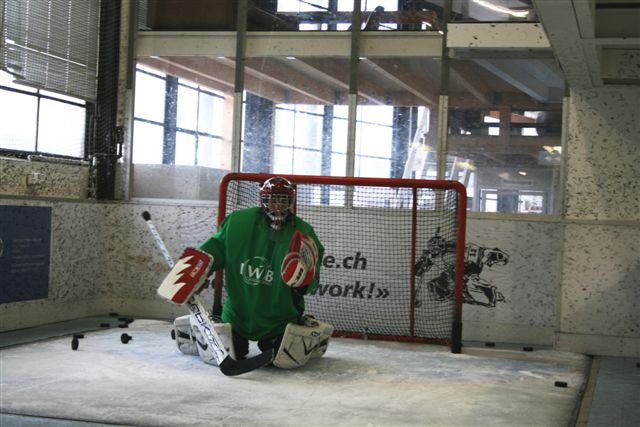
x,y
52,44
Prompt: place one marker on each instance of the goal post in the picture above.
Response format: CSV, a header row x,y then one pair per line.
x,y
393,266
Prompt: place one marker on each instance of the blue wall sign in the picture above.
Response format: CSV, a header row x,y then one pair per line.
x,y
25,251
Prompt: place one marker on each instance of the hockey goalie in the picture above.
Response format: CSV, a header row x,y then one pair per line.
x,y
271,259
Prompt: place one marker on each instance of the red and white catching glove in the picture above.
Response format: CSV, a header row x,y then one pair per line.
x,y
299,264
187,277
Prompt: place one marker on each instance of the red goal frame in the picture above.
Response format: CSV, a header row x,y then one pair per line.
x,y
456,335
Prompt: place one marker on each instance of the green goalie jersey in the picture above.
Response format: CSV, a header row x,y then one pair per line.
x,y
258,303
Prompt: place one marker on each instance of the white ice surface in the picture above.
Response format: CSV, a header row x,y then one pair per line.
x,y
358,383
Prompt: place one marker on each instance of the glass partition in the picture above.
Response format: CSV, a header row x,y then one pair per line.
x,y
492,11
503,110
504,134
325,15
181,132
289,15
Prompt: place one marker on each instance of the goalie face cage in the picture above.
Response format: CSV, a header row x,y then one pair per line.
x,y
394,252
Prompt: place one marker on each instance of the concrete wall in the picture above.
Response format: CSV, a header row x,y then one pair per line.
x,y
43,179
601,247
103,260
573,281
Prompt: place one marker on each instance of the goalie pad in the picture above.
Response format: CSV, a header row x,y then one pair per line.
x,y
187,277
303,342
204,349
185,340
299,264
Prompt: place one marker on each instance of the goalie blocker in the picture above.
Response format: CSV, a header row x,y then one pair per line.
x,y
187,277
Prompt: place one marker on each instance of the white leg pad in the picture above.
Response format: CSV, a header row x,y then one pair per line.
x,y
203,349
185,340
303,342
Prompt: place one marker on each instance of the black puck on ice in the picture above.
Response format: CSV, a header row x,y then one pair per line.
x,y
104,325
561,384
125,338
527,348
74,344
489,344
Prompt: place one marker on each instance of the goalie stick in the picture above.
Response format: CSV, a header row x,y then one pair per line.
x,y
228,366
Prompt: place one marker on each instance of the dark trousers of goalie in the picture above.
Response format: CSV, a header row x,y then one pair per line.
x,y
80,373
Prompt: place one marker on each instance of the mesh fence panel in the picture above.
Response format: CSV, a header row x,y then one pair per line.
x,y
388,269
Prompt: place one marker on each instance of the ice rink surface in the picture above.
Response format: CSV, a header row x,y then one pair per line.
x,y
148,382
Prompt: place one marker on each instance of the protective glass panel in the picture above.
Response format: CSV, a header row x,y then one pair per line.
x,y
182,128
504,133
293,15
493,10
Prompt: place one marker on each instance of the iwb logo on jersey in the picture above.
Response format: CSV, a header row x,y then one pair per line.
x,y
256,271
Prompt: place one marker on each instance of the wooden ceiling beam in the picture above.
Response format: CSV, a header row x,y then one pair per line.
x,y
467,77
398,72
218,76
338,73
279,74
464,145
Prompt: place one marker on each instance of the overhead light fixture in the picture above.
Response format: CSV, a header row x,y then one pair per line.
x,y
555,149
421,146
496,8
466,165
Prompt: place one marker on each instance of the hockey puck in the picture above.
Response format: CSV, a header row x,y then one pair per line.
x,y
104,325
489,344
527,348
125,338
78,336
74,344
561,384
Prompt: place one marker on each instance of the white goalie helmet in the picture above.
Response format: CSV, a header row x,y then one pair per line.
x,y
277,197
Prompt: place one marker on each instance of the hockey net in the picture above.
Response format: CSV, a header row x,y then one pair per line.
x,y
394,251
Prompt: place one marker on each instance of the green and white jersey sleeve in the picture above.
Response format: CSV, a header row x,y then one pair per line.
x,y
258,303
